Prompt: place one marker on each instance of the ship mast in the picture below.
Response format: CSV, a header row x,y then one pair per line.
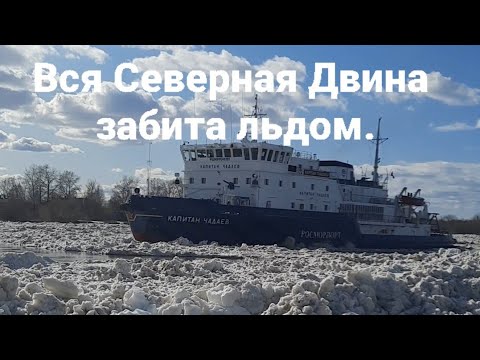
x,y
378,140
255,114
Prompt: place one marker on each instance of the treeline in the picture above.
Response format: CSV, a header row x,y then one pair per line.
x,y
454,225
43,193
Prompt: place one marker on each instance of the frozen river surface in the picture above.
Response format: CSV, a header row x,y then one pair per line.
x,y
97,268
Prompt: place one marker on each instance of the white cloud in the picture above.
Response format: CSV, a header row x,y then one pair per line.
x,y
155,173
440,88
163,47
457,126
410,108
31,144
117,170
90,52
5,137
10,142
6,176
450,188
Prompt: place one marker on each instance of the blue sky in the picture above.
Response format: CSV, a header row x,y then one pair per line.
x,y
433,139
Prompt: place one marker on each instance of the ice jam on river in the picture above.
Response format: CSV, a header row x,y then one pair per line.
x,y
99,269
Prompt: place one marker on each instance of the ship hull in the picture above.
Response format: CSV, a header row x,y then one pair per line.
x,y
155,219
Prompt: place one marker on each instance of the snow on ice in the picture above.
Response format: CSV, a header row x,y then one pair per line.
x,y
101,270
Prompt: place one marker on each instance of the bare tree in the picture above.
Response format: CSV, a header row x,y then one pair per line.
x,y
122,190
168,188
49,179
67,185
11,188
93,191
32,182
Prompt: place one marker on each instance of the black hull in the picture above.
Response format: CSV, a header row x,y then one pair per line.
x,y
154,219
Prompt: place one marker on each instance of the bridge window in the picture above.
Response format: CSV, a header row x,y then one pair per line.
x,y
311,207
204,180
292,205
201,153
193,155
209,153
280,183
326,207
192,180
264,154
247,154
326,188
218,153
228,153
302,206
267,181
312,187
269,204
235,181
254,153
282,155
275,156
287,158
237,152
270,153
294,185
247,181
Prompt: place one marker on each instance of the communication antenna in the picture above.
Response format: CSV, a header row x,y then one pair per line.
x,y
149,165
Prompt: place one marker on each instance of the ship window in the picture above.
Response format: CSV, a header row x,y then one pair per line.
x,y
269,204
264,154
344,190
186,155
326,188
312,187
209,153
311,206
292,205
237,152
254,153
292,168
294,185
275,156
228,153
270,153
302,206
247,181
218,153
326,207
192,180
204,180
247,154
287,158
282,155
235,181
193,155
201,153
280,183
267,181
